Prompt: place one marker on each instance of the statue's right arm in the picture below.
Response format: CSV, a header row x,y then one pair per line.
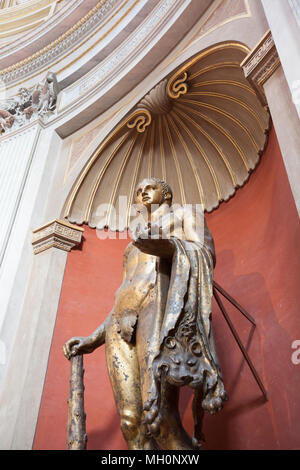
x,y
86,345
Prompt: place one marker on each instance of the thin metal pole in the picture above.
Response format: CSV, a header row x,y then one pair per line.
x,y
235,303
243,350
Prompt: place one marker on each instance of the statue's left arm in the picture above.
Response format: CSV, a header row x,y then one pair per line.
x,y
196,229
162,247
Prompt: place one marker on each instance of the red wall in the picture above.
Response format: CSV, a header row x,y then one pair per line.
x,y
257,243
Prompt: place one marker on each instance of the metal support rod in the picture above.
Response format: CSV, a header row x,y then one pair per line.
x,y
243,350
235,303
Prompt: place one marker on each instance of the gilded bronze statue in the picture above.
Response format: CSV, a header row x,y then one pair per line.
x,y
159,334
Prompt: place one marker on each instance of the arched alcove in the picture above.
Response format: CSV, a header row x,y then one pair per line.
x,y
202,128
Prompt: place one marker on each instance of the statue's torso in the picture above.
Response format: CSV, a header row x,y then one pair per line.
x,y
140,268
139,279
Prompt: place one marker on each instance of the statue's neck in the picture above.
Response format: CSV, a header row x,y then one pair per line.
x,y
162,210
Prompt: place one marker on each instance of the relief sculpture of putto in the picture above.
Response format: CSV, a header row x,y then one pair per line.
x,y
159,334
29,104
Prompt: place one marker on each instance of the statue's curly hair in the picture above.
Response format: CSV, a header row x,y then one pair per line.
x,y
164,185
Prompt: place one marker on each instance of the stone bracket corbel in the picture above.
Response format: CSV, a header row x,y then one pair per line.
x,y
56,234
260,64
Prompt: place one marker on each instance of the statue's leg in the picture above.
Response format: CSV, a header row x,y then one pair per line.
x,y
170,433
124,375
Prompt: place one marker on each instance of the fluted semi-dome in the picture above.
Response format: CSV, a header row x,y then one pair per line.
x,y
203,129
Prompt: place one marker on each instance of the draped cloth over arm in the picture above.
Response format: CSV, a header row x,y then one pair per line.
x,y
186,326
186,353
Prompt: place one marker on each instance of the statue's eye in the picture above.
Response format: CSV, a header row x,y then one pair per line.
x,y
170,342
176,360
196,349
191,362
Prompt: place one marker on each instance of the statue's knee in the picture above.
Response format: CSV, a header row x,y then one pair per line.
x,y
130,422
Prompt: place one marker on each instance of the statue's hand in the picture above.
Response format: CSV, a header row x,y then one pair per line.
x,y
154,242
79,345
161,248
140,232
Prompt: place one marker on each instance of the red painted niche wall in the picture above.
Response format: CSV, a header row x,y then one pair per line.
x,y
257,244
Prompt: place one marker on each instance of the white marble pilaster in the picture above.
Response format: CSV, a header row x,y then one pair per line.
x,y
24,381
287,125
29,294
263,69
285,31
16,152
295,5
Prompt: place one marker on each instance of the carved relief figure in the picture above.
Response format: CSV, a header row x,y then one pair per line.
x,y
159,334
15,112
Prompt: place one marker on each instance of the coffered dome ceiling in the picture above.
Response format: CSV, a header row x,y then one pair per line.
x,y
201,129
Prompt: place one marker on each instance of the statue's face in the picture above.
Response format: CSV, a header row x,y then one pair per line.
x,y
149,192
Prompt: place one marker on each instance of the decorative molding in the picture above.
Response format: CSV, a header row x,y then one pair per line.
x,y
115,63
20,8
261,63
159,101
35,35
56,234
29,105
178,86
139,120
19,17
56,48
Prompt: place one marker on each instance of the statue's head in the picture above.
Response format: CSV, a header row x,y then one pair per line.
x,y
153,191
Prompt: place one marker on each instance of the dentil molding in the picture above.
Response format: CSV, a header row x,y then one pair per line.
x,y
56,234
261,63
54,50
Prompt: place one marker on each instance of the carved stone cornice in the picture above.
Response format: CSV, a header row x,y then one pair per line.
x,y
56,234
126,52
261,63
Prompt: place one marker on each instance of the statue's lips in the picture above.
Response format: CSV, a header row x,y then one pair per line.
x,y
146,198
